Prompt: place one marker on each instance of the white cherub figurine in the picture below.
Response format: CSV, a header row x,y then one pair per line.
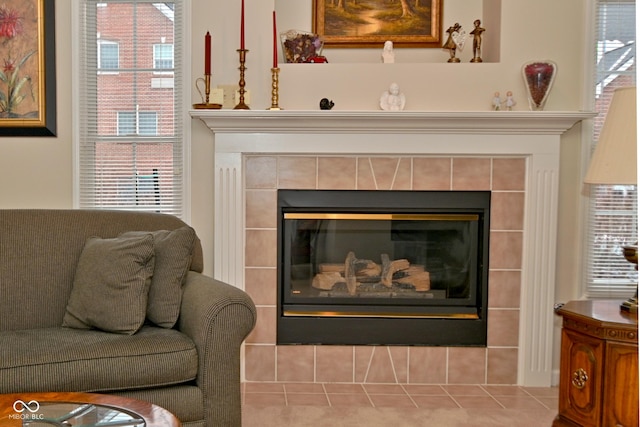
x,y
388,56
392,99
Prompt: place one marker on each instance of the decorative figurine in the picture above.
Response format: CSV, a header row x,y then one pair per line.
x,y
477,40
509,101
388,56
497,102
453,41
392,99
325,104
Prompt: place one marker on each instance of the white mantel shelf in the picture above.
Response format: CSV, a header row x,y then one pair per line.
x,y
410,122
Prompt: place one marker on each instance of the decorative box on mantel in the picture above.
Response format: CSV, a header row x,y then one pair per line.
x,y
366,138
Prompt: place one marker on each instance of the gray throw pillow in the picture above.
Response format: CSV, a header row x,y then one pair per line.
x,y
111,285
173,250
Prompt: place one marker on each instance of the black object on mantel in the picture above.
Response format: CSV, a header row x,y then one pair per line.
x,y
326,104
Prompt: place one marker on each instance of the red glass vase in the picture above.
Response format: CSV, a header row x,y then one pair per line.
x,y
538,79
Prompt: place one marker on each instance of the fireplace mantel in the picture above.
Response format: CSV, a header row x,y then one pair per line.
x,y
534,136
421,122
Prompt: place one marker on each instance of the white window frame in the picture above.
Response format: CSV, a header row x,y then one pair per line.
x,y
185,71
613,288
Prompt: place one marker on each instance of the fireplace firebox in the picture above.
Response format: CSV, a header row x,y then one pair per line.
x,y
383,267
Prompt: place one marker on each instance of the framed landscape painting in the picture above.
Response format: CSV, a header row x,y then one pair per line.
x,y
27,68
368,23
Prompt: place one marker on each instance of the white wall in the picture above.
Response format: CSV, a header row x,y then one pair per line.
x,y
37,172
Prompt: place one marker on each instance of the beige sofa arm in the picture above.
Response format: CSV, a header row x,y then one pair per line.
x,y
218,317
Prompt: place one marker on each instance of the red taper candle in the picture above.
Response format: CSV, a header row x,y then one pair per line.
x,y
207,54
275,43
242,26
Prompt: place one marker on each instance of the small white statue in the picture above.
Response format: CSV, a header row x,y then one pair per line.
x,y
392,99
388,56
497,102
509,101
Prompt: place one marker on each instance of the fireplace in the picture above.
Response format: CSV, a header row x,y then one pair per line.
x,y
515,154
383,267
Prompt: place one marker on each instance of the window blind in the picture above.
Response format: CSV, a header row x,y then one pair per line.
x,y
131,111
613,210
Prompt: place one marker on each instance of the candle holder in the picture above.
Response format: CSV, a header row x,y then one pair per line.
x,y
241,105
205,104
274,89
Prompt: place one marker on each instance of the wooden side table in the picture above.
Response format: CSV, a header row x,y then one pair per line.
x,y
70,408
598,365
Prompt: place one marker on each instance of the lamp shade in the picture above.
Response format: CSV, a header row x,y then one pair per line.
x,y
615,158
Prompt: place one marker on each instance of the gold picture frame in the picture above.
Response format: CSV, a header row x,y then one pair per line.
x,y
27,68
368,23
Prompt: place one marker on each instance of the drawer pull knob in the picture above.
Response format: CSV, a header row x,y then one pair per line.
x,y
579,379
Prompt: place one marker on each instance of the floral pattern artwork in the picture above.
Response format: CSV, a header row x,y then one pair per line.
x,y
18,62
301,46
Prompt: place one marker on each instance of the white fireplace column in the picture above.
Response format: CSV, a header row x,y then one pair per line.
x,y
532,135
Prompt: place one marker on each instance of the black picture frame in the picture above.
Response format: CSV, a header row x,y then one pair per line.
x,y
31,75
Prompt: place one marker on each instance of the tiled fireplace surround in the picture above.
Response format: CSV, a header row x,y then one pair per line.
x,y
514,155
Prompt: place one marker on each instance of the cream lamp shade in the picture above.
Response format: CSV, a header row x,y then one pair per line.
x,y
615,158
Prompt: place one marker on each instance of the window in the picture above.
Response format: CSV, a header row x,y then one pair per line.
x,y
613,212
137,123
129,139
163,56
108,53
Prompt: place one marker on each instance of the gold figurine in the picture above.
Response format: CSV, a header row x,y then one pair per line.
x,y
477,40
451,44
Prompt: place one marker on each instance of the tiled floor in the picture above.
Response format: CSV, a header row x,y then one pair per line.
x,y
400,396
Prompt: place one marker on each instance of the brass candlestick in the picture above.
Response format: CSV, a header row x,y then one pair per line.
x,y
274,89
207,91
241,105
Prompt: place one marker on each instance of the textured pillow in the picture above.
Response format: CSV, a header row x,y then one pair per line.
x,y
111,285
173,250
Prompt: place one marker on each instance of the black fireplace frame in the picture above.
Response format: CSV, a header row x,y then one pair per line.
x,y
434,329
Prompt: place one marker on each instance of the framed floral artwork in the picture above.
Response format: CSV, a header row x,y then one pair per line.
x,y
368,23
27,68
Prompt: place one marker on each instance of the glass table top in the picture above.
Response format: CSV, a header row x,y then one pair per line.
x,y
63,414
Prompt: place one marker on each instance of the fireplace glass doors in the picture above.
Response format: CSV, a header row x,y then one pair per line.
x,y
382,267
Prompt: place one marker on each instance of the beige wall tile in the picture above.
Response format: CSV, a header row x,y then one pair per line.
x,y
384,171
295,363
504,289
261,248
507,211
260,171
431,173
365,178
362,357
503,326
381,368
260,362
297,172
261,207
334,364
427,365
466,365
505,250
336,173
502,366
509,174
261,284
471,173
265,329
